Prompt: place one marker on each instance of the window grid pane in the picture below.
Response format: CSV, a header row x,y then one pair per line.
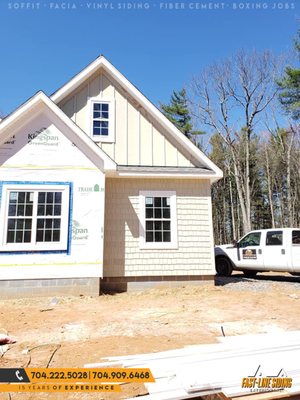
x,y
158,219
49,203
20,217
19,230
19,222
48,227
48,230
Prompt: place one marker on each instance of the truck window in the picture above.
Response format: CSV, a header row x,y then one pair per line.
x,y
274,238
295,237
252,239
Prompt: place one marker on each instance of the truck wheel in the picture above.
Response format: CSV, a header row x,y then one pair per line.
x,y
250,274
223,266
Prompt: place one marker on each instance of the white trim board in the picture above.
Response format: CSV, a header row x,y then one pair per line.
x,y
218,368
102,62
41,103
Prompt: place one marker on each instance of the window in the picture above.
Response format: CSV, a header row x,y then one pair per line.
x,y
102,120
158,225
252,239
158,219
274,238
35,217
296,237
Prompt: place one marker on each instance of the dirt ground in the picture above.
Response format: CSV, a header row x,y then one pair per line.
x,y
88,329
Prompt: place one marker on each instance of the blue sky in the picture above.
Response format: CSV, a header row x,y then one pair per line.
x,y
157,47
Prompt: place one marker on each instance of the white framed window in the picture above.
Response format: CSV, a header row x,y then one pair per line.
x,y
102,117
158,220
34,217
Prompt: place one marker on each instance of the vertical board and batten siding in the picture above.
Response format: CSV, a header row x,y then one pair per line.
x,y
138,139
122,254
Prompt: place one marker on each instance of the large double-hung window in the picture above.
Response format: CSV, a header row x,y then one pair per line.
x,y
158,221
34,217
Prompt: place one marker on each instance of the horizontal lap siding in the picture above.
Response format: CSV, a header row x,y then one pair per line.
x,y
122,255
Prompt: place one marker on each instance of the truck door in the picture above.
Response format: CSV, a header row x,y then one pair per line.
x,y
295,250
274,251
249,253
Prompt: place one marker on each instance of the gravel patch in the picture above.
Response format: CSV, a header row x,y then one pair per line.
x,y
258,284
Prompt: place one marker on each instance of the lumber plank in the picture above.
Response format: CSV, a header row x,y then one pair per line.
x,y
217,369
270,396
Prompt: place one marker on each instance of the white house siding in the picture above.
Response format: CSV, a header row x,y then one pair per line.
x,y
139,140
122,254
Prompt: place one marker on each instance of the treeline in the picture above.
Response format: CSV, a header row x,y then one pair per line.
x,y
249,107
274,184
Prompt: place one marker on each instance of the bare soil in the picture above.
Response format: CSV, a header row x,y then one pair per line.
x,y
88,329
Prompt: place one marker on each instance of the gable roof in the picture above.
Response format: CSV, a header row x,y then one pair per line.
x,y
40,102
180,138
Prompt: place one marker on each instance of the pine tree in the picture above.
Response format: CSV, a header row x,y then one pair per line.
x,y
178,113
290,89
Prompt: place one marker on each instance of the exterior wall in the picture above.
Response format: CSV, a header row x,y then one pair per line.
x,y
138,139
123,256
40,154
49,287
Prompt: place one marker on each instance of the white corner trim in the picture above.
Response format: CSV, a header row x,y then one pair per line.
x,y
142,229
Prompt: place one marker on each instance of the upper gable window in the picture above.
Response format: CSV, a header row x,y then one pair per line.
x,y
102,120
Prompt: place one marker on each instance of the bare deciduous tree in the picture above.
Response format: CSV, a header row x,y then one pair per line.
x,y
229,97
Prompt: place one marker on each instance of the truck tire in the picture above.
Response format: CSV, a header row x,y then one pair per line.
x,y
249,273
223,266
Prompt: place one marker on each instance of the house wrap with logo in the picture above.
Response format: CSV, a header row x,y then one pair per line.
x,y
98,190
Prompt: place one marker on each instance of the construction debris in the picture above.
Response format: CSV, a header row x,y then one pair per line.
x,y
52,304
255,366
5,339
3,349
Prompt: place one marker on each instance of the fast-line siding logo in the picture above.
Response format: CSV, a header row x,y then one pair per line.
x,y
260,382
42,137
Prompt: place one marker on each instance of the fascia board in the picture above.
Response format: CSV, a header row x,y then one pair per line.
x,y
136,94
159,175
158,116
79,137
15,115
76,81
83,138
7,128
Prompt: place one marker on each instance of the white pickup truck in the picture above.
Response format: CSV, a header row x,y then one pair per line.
x,y
261,251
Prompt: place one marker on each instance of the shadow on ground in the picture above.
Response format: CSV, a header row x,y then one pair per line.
x,y
240,277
